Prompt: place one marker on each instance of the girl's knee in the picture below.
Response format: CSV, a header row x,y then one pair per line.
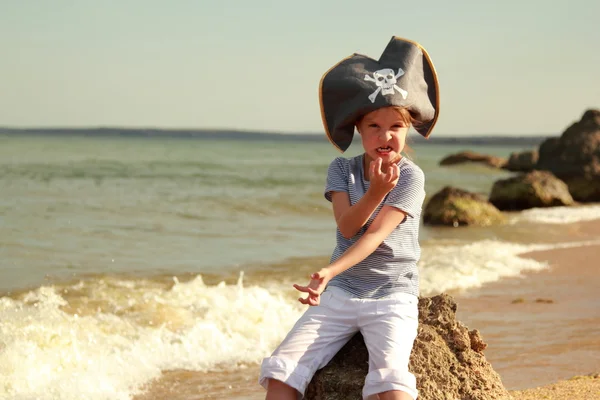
x,y
391,384
395,395
277,390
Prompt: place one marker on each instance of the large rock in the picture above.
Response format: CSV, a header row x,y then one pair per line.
x,y
525,161
534,189
575,157
454,207
472,157
447,360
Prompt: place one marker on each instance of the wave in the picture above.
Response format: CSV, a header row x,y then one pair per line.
x,y
103,339
462,266
559,215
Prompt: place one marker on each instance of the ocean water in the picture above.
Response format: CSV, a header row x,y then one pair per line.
x,y
124,260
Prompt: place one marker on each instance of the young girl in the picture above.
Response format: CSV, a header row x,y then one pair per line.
x,y
372,282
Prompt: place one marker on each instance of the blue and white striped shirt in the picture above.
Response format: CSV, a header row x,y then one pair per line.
x,y
392,267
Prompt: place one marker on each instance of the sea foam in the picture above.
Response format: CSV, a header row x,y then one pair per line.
x,y
559,215
128,332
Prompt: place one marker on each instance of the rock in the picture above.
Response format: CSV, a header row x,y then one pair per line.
x,y
453,207
525,161
470,156
446,359
575,157
534,189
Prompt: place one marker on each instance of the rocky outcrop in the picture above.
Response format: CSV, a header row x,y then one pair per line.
x,y
447,360
525,161
455,207
472,157
534,189
575,157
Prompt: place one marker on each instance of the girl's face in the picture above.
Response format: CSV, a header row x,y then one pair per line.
x,y
383,134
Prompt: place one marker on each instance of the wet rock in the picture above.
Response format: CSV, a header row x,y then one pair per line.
x,y
525,161
574,157
472,157
534,189
455,207
447,360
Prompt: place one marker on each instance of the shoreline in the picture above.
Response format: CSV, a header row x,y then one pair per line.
x,y
543,327
542,331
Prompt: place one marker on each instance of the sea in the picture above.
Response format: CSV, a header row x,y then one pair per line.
x,y
151,267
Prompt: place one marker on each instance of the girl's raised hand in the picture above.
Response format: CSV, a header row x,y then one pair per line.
x,y
383,181
316,285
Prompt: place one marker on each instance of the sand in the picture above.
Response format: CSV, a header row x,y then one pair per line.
x,y
544,328
576,388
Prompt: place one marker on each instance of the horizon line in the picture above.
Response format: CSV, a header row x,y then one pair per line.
x,y
243,131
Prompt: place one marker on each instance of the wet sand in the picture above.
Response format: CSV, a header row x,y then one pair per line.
x,y
192,385
545,326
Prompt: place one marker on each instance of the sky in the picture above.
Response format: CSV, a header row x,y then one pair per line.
x,y
525,67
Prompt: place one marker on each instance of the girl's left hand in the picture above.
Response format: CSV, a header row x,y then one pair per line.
x,y
318,282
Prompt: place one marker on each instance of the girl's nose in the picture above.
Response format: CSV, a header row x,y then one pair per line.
x,y
386,135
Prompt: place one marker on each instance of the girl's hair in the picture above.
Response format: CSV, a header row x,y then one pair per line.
x,y
406,116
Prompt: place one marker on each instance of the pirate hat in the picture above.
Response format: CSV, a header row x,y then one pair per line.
x,y
404,76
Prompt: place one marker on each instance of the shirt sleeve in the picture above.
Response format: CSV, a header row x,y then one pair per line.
x,y
337,177
409,193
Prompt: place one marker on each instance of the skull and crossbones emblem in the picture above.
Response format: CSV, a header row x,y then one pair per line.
x,y
386,80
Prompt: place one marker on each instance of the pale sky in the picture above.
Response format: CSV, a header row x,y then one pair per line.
x,y
505,67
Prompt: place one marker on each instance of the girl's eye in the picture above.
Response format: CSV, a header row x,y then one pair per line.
x,y
373,126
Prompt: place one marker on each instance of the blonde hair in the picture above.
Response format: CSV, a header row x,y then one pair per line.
x,y
406,116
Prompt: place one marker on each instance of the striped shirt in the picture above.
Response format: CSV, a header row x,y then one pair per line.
x,y
392,267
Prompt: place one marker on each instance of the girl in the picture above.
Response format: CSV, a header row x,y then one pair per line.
x,y
371,284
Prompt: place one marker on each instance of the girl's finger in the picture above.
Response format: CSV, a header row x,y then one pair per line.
x,y
301,288
376,169
395,173
389,172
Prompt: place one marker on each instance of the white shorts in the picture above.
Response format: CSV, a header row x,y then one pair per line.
x,y
388,325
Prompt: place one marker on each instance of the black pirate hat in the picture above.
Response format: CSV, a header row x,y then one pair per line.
x,y
404,76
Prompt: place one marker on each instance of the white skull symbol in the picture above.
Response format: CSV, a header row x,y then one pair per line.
x,y
386,79
386,82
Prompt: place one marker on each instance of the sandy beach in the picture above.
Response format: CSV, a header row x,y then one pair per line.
x,y
543,328
585,387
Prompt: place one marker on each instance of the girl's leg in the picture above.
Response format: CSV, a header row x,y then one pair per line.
x,y
313,341
389,327
280,391
394,395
